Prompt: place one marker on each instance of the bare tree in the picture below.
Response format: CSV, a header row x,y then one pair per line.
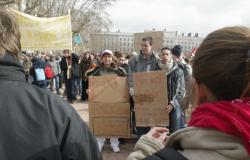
x,y
86,15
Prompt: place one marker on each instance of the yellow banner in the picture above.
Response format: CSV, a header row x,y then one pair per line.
x,y
44,33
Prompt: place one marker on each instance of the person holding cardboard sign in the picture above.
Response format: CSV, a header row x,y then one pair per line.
x,y
146,61
219,128
176,88
107,68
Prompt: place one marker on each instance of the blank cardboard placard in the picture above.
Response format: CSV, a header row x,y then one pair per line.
x,y
108,89
111,127
150,98
110,119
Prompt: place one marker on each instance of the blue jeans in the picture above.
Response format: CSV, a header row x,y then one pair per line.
x,y
176,120
55,81
76,86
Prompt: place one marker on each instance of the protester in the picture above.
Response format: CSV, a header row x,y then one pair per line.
x,y
37,71
175,88
121,61
86,63
35,123
178,58
76,75
144,62
66,67
219,128
56,71
107,68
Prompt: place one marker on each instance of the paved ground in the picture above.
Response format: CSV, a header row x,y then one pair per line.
x,y
126,145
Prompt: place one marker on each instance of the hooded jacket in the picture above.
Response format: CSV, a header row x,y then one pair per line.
x,y
36,124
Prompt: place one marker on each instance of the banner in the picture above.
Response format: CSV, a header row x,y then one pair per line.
x,y
38,33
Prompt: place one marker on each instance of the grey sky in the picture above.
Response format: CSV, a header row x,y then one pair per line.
x,y
202,16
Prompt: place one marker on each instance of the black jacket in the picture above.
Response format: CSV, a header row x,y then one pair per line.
x,y
36,124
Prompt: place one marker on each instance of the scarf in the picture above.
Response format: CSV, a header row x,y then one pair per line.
x,y
231,117
167,66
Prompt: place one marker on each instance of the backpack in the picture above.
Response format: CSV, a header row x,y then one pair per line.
x,y
185,70
49,72
40,75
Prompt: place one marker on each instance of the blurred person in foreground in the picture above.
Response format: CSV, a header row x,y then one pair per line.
x,y
35,123
219,128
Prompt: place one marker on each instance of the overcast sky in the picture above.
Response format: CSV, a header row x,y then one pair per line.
x,y
202,16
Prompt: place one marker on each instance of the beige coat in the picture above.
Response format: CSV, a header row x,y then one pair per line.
x,y
198,144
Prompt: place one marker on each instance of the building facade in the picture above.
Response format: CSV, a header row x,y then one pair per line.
x,y
115,41
129,42
169,39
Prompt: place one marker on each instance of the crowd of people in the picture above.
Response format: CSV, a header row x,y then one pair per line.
x,y
38,124
66,68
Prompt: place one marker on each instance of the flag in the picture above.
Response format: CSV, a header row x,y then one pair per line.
x,y
77,38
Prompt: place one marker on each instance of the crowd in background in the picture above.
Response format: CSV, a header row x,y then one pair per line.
x,y
72,70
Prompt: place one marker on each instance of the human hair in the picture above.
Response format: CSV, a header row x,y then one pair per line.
x,y
9,34
222,62
165,48
148,39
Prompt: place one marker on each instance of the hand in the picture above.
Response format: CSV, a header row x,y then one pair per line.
x,y
159,133
88,91
169,108
131,91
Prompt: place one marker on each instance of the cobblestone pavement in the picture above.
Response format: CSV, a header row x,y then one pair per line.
x,y
126,145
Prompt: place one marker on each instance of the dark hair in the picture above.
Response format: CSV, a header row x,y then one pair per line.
x,y
118,54
176,50
148,39
165,48
222,62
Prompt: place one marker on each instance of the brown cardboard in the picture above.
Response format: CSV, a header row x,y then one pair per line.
x,y
111,127
150,98
110,119
108,89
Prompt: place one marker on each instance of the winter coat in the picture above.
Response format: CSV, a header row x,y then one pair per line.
x,y
85,65
37,124
55,67
195,144
176,86
141,64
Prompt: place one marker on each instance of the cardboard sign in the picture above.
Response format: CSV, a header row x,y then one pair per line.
x,y
110,119
150,98
108,89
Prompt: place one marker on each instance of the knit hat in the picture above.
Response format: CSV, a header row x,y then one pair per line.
x,y
176,50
